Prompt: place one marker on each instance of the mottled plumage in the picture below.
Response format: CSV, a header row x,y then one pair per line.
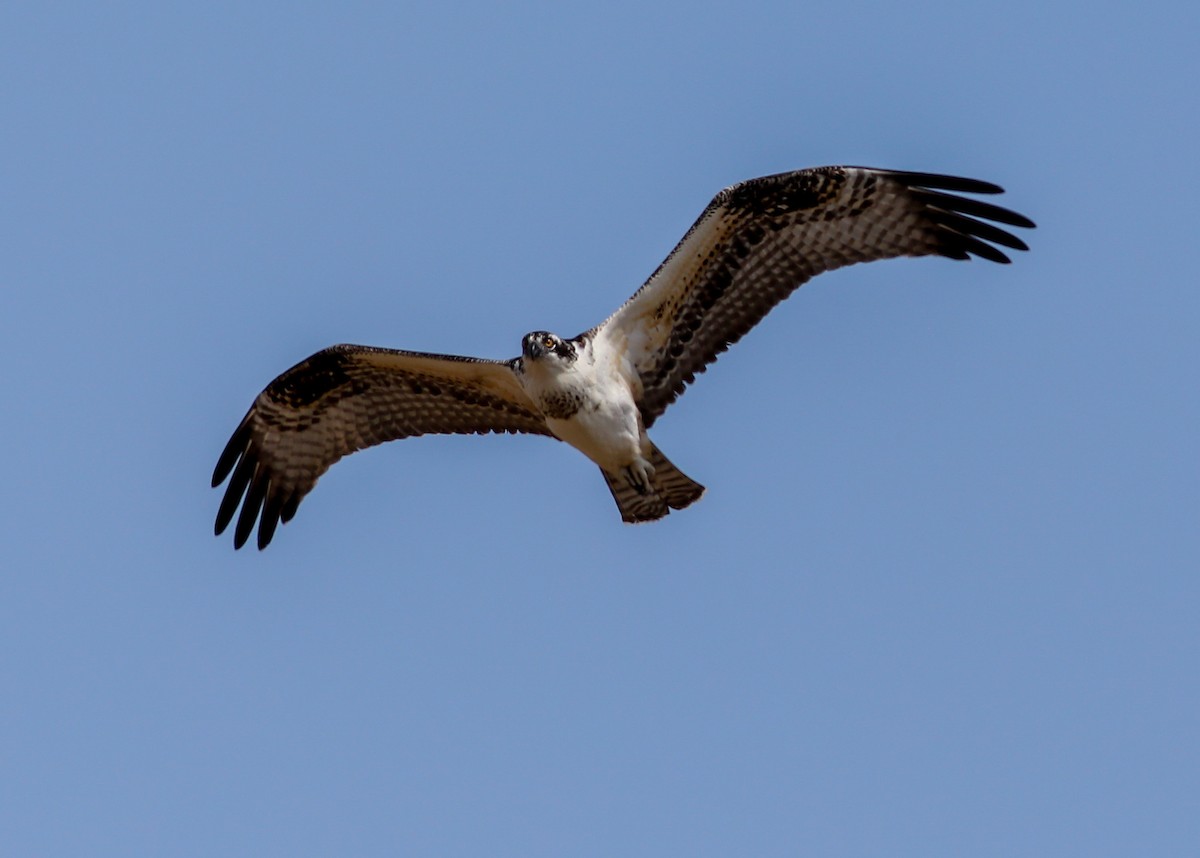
x,y
752,246
346,398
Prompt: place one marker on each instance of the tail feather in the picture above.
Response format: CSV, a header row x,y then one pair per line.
x,y
678,488
635,507
670,489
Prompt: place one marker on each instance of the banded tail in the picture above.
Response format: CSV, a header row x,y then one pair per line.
x,y
670,488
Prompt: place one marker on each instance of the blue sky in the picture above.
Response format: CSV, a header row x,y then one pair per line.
x,y
940,598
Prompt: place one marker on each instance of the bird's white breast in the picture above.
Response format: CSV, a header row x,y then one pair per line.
x,y
605,426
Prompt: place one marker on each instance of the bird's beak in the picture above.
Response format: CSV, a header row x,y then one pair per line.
x,y
533,348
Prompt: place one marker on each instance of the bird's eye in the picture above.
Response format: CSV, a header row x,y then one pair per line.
x,y
548,342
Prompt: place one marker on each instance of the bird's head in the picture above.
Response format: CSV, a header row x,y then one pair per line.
x,y
543,344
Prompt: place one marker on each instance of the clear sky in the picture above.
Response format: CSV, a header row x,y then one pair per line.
x,y
941,598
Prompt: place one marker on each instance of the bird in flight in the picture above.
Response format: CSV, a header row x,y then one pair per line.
x,y
601,391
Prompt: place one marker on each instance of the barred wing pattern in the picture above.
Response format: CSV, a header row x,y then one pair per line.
x,y
759,240
344,399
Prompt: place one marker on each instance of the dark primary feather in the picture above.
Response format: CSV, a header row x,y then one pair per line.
x,y
758,241
346,398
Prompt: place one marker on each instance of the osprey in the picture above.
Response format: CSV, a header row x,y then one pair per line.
x,y
754,244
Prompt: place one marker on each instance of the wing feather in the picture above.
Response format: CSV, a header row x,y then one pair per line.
x,y
759,240
344,399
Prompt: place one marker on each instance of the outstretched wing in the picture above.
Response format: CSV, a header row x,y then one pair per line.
x,y
346,398
759,240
